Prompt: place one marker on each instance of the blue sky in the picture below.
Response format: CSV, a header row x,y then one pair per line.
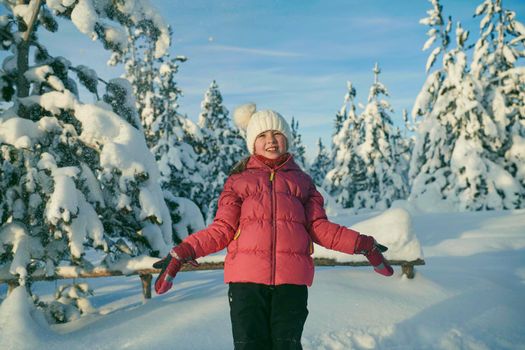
x,y
296,56
292,56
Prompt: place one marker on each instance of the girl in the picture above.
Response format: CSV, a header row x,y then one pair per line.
x,y
269,215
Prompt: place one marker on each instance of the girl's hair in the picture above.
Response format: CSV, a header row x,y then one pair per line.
x,y
240,166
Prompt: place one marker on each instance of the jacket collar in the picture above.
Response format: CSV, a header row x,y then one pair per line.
x,y
273,163
255,163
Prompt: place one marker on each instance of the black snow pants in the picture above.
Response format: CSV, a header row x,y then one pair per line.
x,y
267,317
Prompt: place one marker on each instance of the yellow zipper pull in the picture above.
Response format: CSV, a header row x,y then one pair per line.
x,y
237,234
272,175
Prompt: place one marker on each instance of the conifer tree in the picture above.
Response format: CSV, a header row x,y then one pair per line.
x,y
221,148
495,63
403,142
171,136
383,183
347,168
432,151
454,156
338,122
321,164
74,176
297,148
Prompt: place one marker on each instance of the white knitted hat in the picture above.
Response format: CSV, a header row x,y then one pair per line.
x,y
253,123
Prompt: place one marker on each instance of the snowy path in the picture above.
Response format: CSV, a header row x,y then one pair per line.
x,y
468,296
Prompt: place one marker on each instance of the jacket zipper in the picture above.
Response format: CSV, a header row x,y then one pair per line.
x,y
274,228
274,221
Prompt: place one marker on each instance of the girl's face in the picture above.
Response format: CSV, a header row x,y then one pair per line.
x,y
270,144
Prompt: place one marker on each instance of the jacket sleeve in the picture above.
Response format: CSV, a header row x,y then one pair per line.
x,y
220,232
324,232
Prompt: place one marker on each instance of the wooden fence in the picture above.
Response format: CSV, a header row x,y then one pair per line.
x,y
146,275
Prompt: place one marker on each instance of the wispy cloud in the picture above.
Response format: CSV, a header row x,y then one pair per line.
x,y
252,51
386,22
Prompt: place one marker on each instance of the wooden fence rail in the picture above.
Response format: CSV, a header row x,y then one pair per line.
x,y
146,275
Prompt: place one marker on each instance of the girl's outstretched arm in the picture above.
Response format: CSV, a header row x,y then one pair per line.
x,y
220,232
324,232
213,238
336,237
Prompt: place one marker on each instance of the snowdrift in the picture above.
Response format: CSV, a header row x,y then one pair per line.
x,y
392,228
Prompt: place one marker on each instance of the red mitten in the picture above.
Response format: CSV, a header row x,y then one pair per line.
x,y
367,246
171,264
169,267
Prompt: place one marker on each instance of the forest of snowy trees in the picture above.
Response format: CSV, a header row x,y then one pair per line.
x,y
128,175
467,145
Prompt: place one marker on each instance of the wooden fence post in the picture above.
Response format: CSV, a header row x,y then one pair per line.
x,y
146,278
408,270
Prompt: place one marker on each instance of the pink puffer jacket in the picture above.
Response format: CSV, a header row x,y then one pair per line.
x,y
268,220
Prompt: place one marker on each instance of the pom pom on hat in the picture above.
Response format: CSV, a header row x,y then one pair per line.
x,y
243,114
253,123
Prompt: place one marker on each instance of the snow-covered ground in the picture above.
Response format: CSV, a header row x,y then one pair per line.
x,y
470,295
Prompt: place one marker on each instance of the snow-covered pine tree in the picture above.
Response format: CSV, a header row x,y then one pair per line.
x,y
403,140
513,88
222,147
439,30
495,64
454,156
141,71
321,164
339,120
170,136
480,182
383,183
432,151
348,169
74,176
178,163
297,148
500,43
213,116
